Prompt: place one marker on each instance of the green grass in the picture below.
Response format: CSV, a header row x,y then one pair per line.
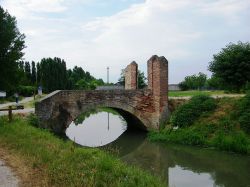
x,y
193,93
31,104
187,113
234,141
60,163
219,129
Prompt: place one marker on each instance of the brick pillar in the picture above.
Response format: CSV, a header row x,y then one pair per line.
x,y
158,81
131,76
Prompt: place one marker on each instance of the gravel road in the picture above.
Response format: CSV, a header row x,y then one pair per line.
x,y
7,177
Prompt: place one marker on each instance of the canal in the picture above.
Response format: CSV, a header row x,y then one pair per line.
x,y
178,165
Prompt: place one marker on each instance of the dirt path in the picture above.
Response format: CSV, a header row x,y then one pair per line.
x,y
25,100
7,176
24,111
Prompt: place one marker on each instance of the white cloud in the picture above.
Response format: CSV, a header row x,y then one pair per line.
x,y
186,32
24,8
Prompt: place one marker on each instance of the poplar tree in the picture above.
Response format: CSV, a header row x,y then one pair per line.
x,y
11,46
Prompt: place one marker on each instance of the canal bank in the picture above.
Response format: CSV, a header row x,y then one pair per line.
x,y
58,162
177,165
222,123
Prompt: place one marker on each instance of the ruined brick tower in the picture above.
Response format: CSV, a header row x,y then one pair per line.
x,y
155,104
158,83
131,76
158,80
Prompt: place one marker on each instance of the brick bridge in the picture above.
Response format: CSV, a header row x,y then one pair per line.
x,y
146,109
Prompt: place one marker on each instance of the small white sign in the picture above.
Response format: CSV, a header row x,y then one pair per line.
x,y
40,90
2,94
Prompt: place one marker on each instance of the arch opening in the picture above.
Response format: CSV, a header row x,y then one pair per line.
x,y
133,122
100,126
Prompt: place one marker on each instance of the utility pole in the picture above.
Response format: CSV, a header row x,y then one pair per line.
x,y
107,75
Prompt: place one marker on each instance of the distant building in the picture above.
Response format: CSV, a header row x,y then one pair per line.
x,y
174,87
110,87
2,94
171,87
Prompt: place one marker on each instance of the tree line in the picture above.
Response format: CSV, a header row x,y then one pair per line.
x,y
52,74
230,71
23,76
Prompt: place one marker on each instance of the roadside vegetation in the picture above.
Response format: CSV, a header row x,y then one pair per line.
x,y
203,121
51,161
190,93
9,99
31,104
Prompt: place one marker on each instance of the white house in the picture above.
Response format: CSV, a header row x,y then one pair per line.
x,y
2,94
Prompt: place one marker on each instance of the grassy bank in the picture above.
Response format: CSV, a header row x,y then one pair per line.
x,y
191,93
31,104
55,162
219,123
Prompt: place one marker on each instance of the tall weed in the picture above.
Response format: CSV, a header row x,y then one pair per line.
x,y
187,113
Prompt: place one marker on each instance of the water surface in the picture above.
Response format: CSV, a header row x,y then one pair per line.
x,y
178,166
97,130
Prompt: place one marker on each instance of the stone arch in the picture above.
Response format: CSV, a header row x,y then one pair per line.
x,y
64,112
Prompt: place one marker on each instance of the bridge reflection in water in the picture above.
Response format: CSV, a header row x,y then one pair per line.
x,y
96,128
184,165
177,165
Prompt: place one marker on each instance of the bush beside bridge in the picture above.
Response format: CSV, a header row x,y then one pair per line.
x,y
224,125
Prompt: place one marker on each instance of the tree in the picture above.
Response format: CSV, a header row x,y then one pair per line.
x,y
121,80
201,80
11,46
27,72
38,72
214,83
33,72
53,74
232,66
141,79
183,86
194,81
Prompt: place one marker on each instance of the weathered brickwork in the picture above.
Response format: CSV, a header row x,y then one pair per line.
x,y
158,83
131,76
149,108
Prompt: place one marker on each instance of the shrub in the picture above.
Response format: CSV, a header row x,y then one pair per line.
x,y
26,90
186,114
237,142
186,136
33,120
244,113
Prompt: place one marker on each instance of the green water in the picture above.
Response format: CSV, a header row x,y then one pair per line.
x,y
179,166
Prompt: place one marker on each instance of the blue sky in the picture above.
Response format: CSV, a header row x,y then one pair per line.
x,y
95,34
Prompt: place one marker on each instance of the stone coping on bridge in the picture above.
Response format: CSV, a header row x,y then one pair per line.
x,y
55,93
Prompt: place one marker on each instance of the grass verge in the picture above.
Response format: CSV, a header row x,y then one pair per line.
x,y
191,93
219,129
55,162
31,104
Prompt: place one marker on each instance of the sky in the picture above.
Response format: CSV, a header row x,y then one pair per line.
x,y
95,34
